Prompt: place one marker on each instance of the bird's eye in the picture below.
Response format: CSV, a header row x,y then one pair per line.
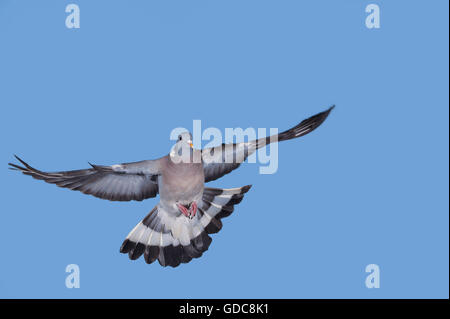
x,y
179,137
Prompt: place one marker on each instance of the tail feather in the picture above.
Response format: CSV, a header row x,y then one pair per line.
x,y
176,239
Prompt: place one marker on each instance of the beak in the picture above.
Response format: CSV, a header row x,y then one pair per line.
x,y
191,145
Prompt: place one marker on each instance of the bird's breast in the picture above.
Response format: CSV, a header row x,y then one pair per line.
x,y
183,182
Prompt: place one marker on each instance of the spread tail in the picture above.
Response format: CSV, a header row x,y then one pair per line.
x,y
174,239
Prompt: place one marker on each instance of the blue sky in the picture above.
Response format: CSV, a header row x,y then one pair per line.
x,y
370,186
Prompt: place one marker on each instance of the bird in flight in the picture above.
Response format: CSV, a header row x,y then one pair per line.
x,y
177,229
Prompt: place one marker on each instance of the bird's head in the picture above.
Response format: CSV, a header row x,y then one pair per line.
x,y
183,148
185,139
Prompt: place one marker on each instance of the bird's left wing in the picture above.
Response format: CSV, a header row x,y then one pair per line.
x,y
121,182
221,160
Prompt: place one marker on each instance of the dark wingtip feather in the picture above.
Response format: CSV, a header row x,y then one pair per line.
x,y
319,118
27,166
16,167
20,160
306,126
327,112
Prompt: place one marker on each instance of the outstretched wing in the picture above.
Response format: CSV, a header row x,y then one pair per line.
x,y
221,160
121,182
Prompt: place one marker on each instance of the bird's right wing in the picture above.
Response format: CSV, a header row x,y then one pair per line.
x,y
121,182
221,160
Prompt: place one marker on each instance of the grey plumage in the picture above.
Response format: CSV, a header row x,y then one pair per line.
x,y
178,228
232,155
123,182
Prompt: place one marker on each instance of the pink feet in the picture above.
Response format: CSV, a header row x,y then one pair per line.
x,y
193,209
183,210
189,211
